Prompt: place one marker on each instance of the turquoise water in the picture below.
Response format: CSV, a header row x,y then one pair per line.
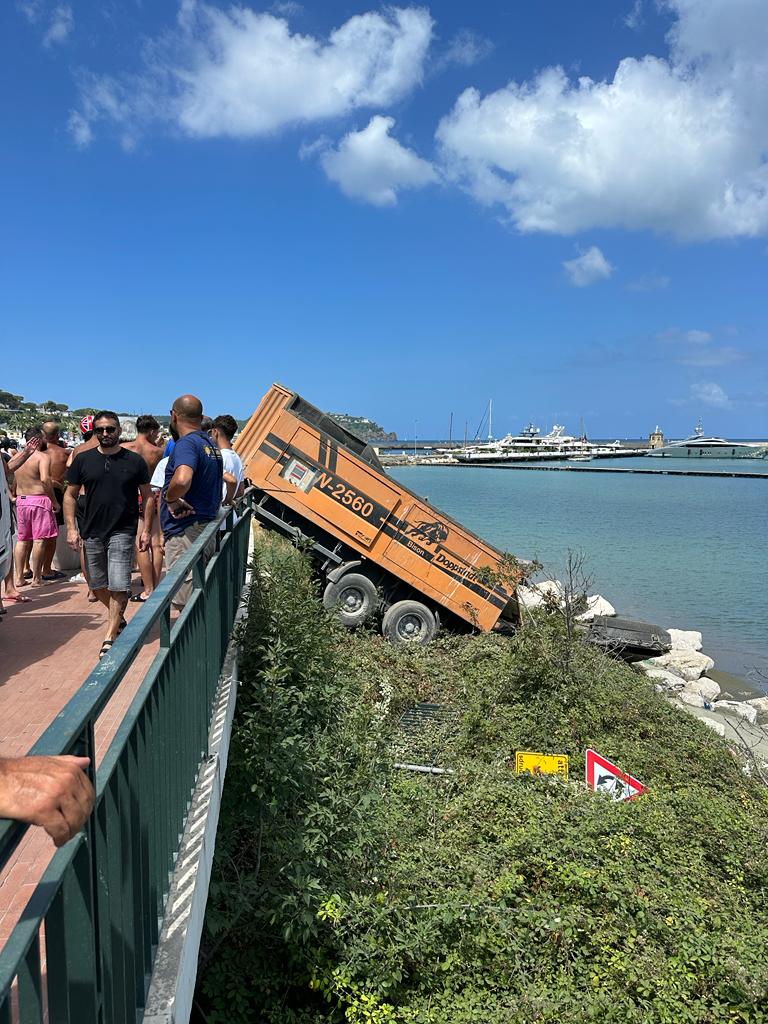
x,y
688,552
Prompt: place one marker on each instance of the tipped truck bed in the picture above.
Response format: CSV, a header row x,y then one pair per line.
x,y
320,479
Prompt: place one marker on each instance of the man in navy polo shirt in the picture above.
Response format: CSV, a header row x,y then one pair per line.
x,y
193,482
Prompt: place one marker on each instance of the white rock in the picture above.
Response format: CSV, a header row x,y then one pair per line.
x,y
695,700
740,708
662,677
708,688
596,605
685,639
534,595
719,727
760,704
688,664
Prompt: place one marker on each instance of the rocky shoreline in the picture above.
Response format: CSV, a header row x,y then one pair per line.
x,y
687,677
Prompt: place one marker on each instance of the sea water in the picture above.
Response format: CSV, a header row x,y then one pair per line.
x,y
681,551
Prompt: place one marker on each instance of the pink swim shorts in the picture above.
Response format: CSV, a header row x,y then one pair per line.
x,y
35,517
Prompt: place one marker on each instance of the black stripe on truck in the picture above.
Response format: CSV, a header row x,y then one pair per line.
x,y
395,530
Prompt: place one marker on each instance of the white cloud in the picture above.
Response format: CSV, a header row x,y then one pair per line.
x,y
722,356
649,283
634,19
675,145
287,8
60,26
243,74
79,129
676,336
587,268
372,166
59,21
711,394
466,49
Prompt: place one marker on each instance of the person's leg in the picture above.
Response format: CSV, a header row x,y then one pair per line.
x,y
146,565
36,561
20,558
118,600
44,528
49,550
119,563
158,545
175,547
50,547
94,555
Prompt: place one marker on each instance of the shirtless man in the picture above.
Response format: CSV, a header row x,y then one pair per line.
x,y
150,561
36,508
58,457
89,440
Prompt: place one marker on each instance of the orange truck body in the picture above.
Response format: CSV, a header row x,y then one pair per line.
x,y
324,483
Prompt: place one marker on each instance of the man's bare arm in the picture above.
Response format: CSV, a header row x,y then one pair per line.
x,y
180,483
148,504
70,506
231,481
53,792
21,457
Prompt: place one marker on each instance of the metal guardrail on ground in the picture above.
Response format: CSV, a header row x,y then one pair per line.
x,y
96,914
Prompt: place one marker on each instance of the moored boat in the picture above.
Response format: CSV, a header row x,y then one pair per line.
x,y
700,446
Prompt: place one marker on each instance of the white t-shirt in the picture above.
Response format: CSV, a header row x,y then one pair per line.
x,y
157,483
232,464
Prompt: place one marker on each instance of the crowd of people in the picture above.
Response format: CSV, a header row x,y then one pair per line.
x,y
123,504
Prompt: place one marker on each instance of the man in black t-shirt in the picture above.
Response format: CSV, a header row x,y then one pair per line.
x,y
112,479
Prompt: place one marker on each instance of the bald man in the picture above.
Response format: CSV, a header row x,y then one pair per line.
x,y
193,482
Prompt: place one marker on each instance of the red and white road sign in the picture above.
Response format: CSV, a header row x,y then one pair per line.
x,y
608,778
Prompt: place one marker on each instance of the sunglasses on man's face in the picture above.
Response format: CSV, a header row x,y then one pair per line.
x,y
105,430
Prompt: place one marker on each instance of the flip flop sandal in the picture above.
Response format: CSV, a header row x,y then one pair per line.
x,y
52,577
105,648
18,599
138,599
28,574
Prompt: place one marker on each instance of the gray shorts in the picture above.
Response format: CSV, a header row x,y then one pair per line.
x,y
179,545
109,562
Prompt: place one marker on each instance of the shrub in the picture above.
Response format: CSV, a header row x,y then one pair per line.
x,y
348,891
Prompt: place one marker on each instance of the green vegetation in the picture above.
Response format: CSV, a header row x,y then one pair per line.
x,y
346,890
362,427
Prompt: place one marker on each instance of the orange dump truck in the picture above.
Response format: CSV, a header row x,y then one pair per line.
x,y
381,549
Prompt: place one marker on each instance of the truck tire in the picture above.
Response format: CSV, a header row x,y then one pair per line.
x,y
409,622
353,598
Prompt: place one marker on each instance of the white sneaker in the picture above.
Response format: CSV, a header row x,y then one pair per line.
x,y
77,579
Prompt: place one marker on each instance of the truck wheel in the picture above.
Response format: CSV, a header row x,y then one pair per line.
x,y
409,622
354,598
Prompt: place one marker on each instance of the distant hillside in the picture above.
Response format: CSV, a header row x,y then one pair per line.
x,y
363,427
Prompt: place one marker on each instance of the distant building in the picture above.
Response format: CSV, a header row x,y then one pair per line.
x,y
656,439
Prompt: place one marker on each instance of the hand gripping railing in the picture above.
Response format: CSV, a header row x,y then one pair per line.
x,y
97,911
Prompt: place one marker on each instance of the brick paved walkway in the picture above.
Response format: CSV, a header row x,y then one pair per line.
x,y
47,648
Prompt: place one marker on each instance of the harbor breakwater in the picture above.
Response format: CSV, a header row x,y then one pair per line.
x,y
683,675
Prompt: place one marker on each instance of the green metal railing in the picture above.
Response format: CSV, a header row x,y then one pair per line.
x,y
97,912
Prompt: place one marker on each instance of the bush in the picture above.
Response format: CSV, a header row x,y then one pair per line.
x,y
383,896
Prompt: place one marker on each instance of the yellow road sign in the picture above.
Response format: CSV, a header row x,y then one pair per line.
x,y
542,764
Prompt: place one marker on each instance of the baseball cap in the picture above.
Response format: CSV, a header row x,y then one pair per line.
x,y
86,424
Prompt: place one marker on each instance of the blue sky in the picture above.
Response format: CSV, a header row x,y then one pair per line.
x,y
398,212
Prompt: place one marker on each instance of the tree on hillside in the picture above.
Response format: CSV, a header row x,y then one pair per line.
x,y
10,401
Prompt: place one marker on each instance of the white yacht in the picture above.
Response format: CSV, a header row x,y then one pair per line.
x,y
530,445
698,446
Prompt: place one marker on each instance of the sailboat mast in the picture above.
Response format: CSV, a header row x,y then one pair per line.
x,y
490,419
